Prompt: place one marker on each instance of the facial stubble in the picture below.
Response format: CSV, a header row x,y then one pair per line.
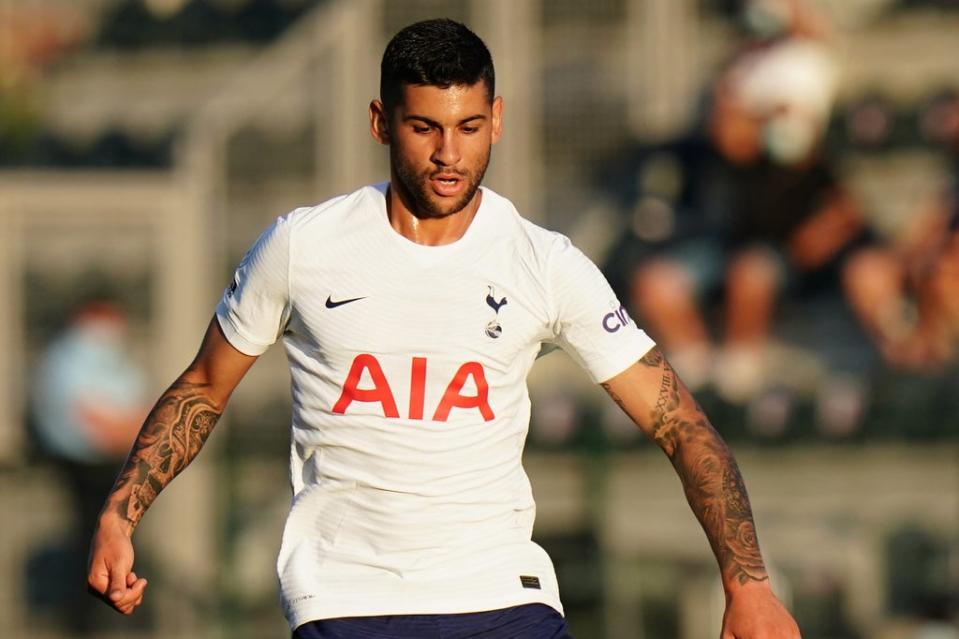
x,y
415,190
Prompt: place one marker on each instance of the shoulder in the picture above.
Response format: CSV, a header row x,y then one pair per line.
x,y
554,253
530,240
338,212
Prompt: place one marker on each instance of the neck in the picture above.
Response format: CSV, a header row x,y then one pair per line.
x,y
429,231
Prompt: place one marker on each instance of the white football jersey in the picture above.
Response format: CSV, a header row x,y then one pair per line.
x,y
410,407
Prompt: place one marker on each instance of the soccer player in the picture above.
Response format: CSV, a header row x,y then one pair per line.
x,y
411,313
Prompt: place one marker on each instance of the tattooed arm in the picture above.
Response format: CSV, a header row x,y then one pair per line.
x,y
170,438
655,398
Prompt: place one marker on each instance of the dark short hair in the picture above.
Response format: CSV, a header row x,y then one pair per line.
x,y
439,53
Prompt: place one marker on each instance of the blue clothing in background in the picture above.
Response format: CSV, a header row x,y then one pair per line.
x,y
86,365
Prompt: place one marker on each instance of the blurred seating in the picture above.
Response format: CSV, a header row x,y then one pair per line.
x,y
112,148
134,24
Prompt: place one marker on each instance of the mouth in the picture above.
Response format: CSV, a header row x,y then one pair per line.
x,y
446,184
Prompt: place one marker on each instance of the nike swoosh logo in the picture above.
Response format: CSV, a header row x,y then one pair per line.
x,y
331,304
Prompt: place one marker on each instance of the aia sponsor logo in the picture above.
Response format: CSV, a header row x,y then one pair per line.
x,y
382,393
616,320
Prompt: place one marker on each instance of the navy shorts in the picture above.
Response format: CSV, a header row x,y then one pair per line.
x,y
530,621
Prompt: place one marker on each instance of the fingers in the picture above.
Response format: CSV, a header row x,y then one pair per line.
x,y
118,584
137,592
132,595
119,588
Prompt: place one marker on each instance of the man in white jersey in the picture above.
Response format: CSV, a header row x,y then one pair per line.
x,y
411,313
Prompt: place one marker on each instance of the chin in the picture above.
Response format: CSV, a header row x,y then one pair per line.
x,y
438,210
433,207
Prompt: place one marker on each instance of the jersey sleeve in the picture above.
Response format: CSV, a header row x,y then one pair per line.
x,y
589,322
256,306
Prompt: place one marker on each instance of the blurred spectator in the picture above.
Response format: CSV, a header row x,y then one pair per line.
x,y
938,121
869,122
32,36
943,293
773,19
88,403
745,214
907,294
760,209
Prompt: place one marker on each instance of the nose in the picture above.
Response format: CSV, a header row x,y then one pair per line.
x,y
446,152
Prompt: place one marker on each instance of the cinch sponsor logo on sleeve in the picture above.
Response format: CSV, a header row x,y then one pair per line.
x,y
616,320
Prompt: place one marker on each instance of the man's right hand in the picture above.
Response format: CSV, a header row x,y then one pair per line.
x,y
186,414
110,573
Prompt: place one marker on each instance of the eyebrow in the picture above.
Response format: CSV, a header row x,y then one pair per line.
x,y
434,123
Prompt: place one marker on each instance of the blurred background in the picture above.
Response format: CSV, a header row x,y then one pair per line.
x,y
772,186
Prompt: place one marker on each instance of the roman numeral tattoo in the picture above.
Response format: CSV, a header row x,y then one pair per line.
x,y
711,479
170,438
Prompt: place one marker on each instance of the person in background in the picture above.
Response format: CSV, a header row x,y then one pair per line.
x,y
769,21
780,217
906,292
88,402
755,210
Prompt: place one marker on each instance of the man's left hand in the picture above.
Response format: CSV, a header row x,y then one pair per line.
x,y
754,612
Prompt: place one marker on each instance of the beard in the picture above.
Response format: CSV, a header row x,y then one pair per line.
x,y
414,187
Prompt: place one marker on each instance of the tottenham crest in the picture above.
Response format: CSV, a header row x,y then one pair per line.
x,y
493,328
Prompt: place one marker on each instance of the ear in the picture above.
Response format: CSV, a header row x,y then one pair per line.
x,y
379,123
497,119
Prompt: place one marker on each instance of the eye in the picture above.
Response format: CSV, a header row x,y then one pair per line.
x,y
470,129
421,128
